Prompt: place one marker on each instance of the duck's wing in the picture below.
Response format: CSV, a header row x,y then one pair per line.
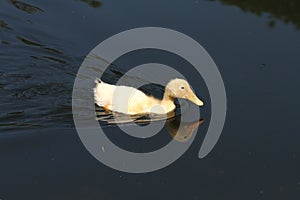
x,y
129,100
121,99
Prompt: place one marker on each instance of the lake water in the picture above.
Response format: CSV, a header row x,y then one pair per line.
x,y
255,45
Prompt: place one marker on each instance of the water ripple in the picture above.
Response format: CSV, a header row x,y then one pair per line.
x,y
30,9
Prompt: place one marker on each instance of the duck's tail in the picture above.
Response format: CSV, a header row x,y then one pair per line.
x,y
98,83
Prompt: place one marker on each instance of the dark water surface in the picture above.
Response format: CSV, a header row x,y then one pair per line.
x,y
256,46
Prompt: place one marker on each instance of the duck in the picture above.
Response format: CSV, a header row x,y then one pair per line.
x,y
132,101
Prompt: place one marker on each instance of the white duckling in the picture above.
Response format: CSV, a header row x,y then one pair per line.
x,y
129,100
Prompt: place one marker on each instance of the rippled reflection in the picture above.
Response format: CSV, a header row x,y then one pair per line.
x,y
92,3
109,118
173,122
4,25
288,11
25,7
29,42
49,57
187,130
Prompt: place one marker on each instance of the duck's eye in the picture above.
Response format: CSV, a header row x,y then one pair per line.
x,y
182,87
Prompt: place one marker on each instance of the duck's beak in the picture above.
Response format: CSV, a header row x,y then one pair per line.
x,y
193,98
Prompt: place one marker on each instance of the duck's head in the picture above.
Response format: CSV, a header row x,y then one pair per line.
x,y
179,88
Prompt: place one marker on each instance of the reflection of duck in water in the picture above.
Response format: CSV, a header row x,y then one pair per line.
x,y
182,131
131,101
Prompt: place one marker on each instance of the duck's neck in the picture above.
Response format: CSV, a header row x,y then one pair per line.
x,y
167,98
166,105
168,101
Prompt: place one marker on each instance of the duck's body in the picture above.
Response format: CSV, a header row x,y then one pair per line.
x,y
132,101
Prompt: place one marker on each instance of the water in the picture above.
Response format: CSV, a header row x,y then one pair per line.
x,y
256,47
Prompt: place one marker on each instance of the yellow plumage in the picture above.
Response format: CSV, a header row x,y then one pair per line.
x,y
131,101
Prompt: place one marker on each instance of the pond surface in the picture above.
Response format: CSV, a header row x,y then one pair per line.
x,y
255,45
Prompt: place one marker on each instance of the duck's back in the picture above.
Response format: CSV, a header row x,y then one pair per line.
x,y
122,99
